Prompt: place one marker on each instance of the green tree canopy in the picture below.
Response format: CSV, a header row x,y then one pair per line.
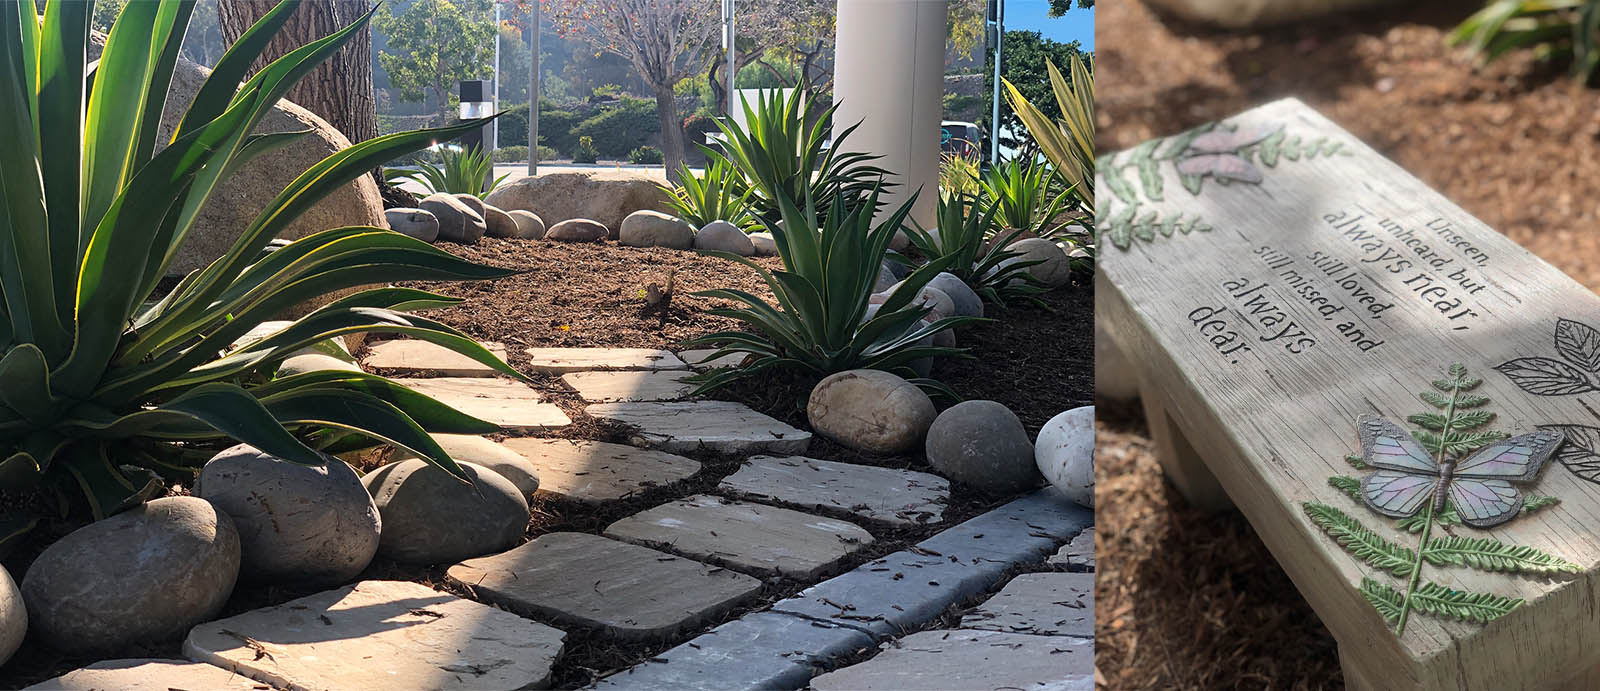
x,y
433,44
1024,57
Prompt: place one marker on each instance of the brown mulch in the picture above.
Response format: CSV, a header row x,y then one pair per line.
x,y
1035,360
1187,600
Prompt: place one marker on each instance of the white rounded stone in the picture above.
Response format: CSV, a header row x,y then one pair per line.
x,y
1065,454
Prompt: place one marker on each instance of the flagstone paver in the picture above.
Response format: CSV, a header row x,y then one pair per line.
x,y
594,471
564,360
1044,604
1078,553
719,426
693,359
901,497
411,356
749,537
761,650
965,660
629,385
149,674
381,635
509,404
626,591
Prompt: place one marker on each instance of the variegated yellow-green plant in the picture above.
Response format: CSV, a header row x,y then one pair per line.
x,y
1069,142
107,379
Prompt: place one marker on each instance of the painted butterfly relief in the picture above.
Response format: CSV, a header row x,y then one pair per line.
x,y
1479,486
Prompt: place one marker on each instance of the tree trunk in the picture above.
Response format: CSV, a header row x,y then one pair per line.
x,y
671,128
340,89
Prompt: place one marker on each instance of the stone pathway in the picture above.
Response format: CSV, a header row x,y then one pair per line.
x,y
675,566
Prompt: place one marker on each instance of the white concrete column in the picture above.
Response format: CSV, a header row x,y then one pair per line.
x,y
889,76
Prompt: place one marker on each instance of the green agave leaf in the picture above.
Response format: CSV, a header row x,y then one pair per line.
x,y
224,408
25,384
109,488
363,413
431,415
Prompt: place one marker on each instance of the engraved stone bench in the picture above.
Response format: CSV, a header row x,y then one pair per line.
x,y
1272,280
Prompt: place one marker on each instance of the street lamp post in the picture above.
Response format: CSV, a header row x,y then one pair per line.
x,y
997,20
533,89
494,96
728,49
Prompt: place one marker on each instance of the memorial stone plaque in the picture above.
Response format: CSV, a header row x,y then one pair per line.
x,y
1404,403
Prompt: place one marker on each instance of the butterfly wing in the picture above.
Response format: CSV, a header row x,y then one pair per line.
x,y
1385,445
1484,503
1397,494
1226,166
1518,458
1222,140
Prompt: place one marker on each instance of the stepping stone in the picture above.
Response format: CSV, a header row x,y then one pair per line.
x,y
900,497
693,359
509,404
1043,604
149,674
749,537
937,660
564,360
625,591
380,635
720,426
1078,553
631,385
409,356
593,471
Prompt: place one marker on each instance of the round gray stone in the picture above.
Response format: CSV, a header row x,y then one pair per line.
x,y
490,454
500,223
870,410
886,278
474,203
144,575
416,223
764,243
13,617
982,444
529,225
1065,454
942,304
647,228
578,230
458,222
430,517
966,302
306,524
1056,268
726,237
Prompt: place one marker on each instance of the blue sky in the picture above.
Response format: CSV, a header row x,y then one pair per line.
x,y
1034,15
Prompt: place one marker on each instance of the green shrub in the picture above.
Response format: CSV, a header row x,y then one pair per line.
x,y
462,171
1022,194
519,154
1560,32
645,155
585,152
111,388
555,129
720,194
619,129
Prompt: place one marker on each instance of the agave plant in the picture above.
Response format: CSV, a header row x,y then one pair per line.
x,y
958,174
460,171
1068,142
962,238
783,156
824,322
109,376
1020,192
1560,31
720,194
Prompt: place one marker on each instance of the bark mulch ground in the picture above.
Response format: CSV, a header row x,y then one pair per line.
x,y
1186,600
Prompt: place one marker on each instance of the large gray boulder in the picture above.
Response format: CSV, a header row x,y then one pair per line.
x,y
314,525
870,410
982,444
147,574
431,517
604,195
647,228
13,617
1241,14
413,222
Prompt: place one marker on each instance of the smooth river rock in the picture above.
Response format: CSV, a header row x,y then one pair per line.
x,y
1056,268
982,444
13,616
458,222
431,517
490,454
500,223
966,302
529,225
577,230
413,222
313,525
144,575
647,228
870,410
724,236
1065,454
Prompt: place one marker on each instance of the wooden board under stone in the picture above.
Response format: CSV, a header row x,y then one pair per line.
x,y
1268,315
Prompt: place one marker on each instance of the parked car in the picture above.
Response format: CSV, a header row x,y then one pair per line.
x,y
963,138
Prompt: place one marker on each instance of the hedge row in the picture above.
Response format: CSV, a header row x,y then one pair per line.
x,y
617,128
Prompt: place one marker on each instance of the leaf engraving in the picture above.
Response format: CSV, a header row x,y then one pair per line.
x,y
1579,343
1581,452
1542,376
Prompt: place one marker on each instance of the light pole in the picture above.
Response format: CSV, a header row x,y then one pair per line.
x,y
533,89
729,49
494,96
997,21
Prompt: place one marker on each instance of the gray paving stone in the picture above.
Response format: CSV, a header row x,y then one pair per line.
x,y
1043,604
899,497
626,591
693,359
1079,553
381,635
753,538
971,660
592,471
509,404
719,426
149,674
905,589
629,385
763,650
564,360
411,356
